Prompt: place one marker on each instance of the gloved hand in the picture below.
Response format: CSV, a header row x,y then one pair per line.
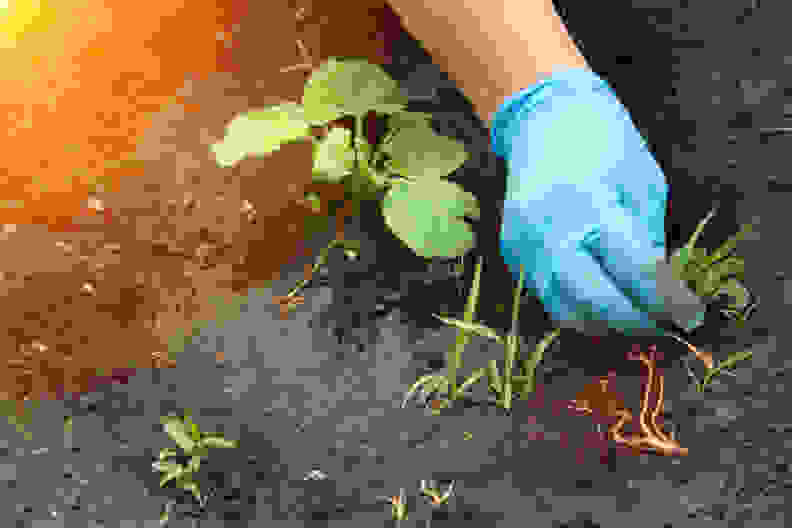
x,y
585,205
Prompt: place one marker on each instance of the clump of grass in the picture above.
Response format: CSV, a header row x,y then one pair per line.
x,y
504,386
714,276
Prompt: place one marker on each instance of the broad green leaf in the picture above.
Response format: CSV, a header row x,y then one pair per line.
x,y
178,431
333,156
476,328
406,119
218,441
260,132
418,152
428,216
350,86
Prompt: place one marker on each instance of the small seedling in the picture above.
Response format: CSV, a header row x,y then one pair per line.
x,y
435,495
195,445
398,505
504,386
719,274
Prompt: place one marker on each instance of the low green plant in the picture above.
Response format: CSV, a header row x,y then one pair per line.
x,y
420,206
437,496
194,445
505,386
717,275
398,505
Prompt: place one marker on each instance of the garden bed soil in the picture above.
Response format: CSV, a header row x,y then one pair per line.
x,y
106,261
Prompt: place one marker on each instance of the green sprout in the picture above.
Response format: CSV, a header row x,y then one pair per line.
x,y
398,506
195,445
718,274
435,495
504,386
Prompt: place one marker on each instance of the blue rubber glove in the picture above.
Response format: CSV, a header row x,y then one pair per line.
x,y
585,204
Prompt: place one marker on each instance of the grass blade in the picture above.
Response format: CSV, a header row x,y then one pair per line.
x,y
728,247
477,375
494,377
172,473
476,328
178,432
166,453
727,363
530,364
512,344
433,381
192,487
512,347
697,233
194,465
218,441
463,336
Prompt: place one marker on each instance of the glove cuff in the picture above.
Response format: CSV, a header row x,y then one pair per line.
x,y
516,105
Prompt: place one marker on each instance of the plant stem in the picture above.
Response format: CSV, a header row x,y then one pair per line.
x,y
494,376
512,344
694,238
463,336
320,261
530,364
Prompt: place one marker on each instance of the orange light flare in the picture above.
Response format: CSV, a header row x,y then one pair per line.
x,y
597,399
80,82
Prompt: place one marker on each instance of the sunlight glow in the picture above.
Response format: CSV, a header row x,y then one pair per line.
x,y
15,17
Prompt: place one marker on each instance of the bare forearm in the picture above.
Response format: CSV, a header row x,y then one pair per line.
x,y
490,48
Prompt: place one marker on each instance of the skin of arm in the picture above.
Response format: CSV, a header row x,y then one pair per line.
x,y
491,48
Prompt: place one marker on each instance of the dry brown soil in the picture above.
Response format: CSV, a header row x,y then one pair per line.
x,y
103,283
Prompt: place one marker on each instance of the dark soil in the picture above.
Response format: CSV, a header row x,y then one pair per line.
x,y
322,389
